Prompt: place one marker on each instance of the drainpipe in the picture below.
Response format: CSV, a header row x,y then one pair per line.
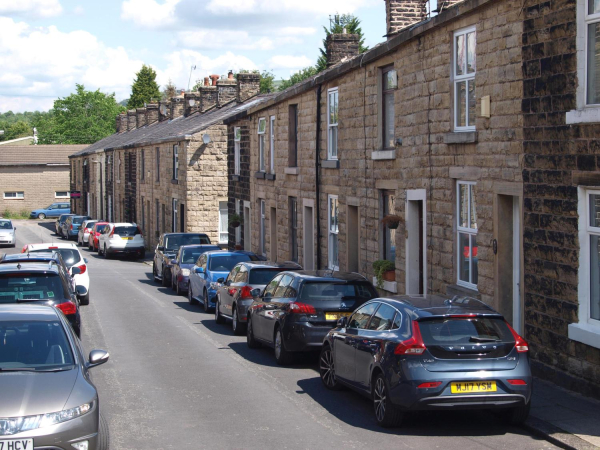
x,y
317,177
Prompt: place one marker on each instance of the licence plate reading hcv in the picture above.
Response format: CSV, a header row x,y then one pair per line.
x,y
16,444
465,387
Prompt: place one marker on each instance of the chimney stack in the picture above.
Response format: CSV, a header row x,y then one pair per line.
x,y
140,114
123,118
191,103
131,120
176,107
208,96
151,113
118,123
248,85
226,91
341,46
164,111
401,14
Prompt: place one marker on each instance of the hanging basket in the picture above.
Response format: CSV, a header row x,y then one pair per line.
x,y
235,224
391,221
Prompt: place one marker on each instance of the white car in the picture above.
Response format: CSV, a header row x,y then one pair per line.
x,y
8,235
83,235
72,257
122,239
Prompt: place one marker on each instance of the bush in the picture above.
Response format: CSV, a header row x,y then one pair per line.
x,y
380,267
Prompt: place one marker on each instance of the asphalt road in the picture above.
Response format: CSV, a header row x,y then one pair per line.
x,y
176,380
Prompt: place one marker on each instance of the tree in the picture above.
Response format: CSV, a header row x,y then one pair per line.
x,y
144,89
83,117
352,26
267,82
170,90
299,76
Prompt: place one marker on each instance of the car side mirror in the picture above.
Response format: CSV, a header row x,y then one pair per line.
x,y
85,260
81,290
220,280
15,228
75,270
199,270
160,248
342,322
255,292
97,357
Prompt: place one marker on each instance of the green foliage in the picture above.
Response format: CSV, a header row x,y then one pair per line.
x,y
16,125
380,267
144,89
267,82
8,214
170,90
352,26
83,117
302,75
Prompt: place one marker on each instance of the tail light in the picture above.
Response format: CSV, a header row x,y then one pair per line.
x,y
82,268
302,308
112,233
246,293
414,345
71,227
24,249
520,344
431,384
52,248
67,308
517,382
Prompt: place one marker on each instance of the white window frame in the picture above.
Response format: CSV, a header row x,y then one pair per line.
x,y
223,208
176,162
174,206
262,128
67,194
332,93
238,230
237,142
272,144
16,196
464,230
261,228
587,330
332,233
466,77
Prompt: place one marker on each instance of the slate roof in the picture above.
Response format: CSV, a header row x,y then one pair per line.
x,y
20,155
172,130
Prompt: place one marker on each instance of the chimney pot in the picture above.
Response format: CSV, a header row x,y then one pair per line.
x,y
214,79
248,85
206,81
230,75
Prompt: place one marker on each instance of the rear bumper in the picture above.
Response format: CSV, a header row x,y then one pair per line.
x,y
471,402
304,336
126,250
183,283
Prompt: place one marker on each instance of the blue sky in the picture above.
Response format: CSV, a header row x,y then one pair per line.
x,y
46,46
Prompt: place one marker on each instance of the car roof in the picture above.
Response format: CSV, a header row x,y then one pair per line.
x,y
432,305
29,257
329,275
123,224
28,311
51,246
285,265
30,267
184,234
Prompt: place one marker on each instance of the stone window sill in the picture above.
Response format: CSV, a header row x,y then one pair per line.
x,y
461,137
235,178
270,176
260,175
461,291
330,164
586,115
174,181
390,286
584,333
382,155
291,170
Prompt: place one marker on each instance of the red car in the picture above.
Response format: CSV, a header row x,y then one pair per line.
x,y
93,239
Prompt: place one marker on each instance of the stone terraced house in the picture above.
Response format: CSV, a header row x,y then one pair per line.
x,y
473,132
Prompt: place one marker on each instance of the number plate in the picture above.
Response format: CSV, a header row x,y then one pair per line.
x,y
466,387
16,444
336,315
125,239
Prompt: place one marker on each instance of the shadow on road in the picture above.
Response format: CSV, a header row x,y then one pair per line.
x,y
264,356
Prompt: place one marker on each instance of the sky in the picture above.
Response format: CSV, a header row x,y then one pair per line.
x,y
47,46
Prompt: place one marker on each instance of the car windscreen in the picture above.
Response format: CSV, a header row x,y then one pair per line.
x,y
329,291
101,228
22,286
34,345
126,231
225,263
89,224
5,225
177,240
191,255
77,219
450,331
262,276
70,256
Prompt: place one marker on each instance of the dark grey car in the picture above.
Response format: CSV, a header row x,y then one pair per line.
x,y
48,399
427,352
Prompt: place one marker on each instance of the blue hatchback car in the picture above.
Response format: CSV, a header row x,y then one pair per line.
x,y
209,272
54,210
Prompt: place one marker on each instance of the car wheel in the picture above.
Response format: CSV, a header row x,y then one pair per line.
x,y
41,216
164,279
518,415
327,369
173,282
105,253
238,327
85,300
177,290
250,340
218,317
191,299
103,434
206,307
386,414
154,273
282,356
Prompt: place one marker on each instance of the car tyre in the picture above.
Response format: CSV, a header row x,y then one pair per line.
x,y
282,356
191,299
250,339
41,216
103,434
105,253
205,303
218,317
238,327
164,279
173,282
386,413
327,369
154,273
517,415
177,290
85,300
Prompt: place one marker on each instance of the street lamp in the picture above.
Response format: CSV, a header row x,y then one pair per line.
x,y
190,79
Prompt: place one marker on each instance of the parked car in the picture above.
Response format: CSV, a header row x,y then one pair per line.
x,y
38,257
186,257
234,296
48,399
8,233
42,282
60,221
209,271
297,309
167,248
95,233
70,229
72,258
413,353
83,234
122,239
54,210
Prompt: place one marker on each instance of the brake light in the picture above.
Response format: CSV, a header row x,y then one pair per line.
x,y
52,248
24,249
431,384
82,268
112,233
245,293
67,308
517,382
71,227
414,345
463,316
520,344
302,308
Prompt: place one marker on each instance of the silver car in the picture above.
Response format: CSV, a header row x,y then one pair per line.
x,y
8,232
48,400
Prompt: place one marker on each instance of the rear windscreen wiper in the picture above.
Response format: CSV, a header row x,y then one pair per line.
x,y
480,339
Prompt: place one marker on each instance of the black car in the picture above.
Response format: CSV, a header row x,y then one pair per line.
x,y
412,353
184,261
41,282
38,257
297,309
166,250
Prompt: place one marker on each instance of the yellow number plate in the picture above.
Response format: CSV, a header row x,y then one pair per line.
x,y
466,387
336,315
126,238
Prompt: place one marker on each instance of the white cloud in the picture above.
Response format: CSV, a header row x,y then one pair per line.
x,y
31,8
226,7
78,10
150,13
229,39
289,62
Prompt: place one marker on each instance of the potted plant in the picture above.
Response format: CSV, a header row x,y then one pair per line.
x,y
384,271
235,220
391,221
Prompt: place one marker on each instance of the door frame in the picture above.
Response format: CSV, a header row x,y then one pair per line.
x,y
416,195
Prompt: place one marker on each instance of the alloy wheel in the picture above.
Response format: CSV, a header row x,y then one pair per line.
x,y
327,368
278,344
379,399
234,323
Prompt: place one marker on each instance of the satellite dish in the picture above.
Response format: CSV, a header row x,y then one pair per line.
x,y
192,102
163,110
206,138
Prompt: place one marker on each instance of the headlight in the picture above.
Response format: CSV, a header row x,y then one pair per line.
x,y
214,285
185,272
16,425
